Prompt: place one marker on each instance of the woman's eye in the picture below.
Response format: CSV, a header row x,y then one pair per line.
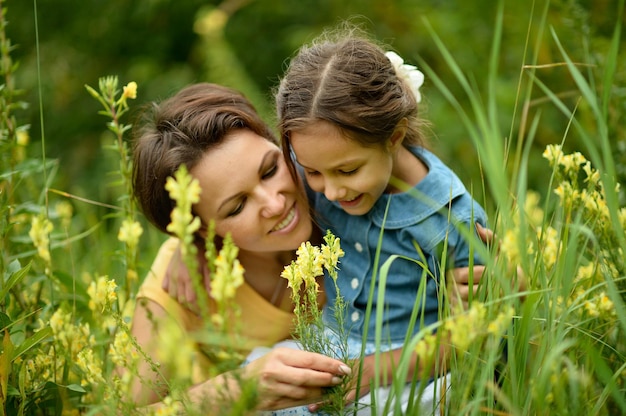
x,y
270,172
311,172
237,209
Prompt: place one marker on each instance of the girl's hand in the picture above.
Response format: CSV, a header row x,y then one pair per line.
x,y
177,281
460,289
288,377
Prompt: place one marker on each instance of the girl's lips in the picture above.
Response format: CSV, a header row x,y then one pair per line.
x,y
288,221
352,203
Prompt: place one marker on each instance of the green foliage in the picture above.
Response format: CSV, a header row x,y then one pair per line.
x,y
502,84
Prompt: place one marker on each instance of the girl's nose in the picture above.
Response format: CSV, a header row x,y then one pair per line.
x,y
334,191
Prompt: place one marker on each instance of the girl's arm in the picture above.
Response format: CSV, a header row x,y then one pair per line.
x,y
389,360
283,377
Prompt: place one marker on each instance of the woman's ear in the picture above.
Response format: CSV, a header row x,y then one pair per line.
x,y
397,137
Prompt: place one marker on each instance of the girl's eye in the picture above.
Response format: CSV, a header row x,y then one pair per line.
x,y
349,172
311,172
237,210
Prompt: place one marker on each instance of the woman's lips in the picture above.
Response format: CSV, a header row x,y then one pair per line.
x,y
286,221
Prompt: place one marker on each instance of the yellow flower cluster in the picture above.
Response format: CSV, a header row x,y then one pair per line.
x,y
72,348
91,367
185,191
467,328
129,233
311,262
170,407
72,337
122,352
228,274
39,233
102,294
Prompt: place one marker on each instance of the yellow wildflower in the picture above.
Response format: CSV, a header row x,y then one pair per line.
x,y
591,308
309,263
90,366
211,22
553,153
227,278
531,208
122,352
585,272
426,347
102,294
73,338
185,190
501,323
551,245
294,278
129,233
170,407
39,233
593,176
22,138
606,305
509,246
571,163
331,252
130,90
465,328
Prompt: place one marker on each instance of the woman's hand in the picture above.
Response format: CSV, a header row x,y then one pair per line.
x,y
288,377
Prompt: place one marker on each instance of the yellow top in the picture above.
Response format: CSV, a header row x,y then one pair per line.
x,y
260,323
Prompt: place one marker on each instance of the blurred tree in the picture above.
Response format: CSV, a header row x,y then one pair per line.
x,y
165,44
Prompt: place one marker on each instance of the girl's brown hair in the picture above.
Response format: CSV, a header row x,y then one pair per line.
x,y
344,77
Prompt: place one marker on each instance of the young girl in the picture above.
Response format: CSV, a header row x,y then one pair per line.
x,y
348,114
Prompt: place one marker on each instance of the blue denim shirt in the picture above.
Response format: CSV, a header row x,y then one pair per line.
x,y
417,217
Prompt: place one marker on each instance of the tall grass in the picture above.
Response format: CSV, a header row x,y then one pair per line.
x,y
564,351
557,345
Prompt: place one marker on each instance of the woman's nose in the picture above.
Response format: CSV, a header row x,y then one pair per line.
x,y
273,202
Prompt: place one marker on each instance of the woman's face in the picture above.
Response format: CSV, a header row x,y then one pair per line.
x,y
248,191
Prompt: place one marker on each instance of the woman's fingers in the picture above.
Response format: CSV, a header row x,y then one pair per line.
x,y
288,377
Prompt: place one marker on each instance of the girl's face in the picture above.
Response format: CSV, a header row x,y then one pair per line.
x,y
341,168
248,191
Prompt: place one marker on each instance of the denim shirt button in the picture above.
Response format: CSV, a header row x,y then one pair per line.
x,y
354,316
358,247
354,283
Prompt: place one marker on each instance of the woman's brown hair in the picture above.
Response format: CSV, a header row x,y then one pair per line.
x,y
180,130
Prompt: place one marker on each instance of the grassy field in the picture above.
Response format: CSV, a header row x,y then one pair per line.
x,y
69,267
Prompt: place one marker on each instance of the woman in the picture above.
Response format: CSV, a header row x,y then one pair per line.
x,y
221,139
247,190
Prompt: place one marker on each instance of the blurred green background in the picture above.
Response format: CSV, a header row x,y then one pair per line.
x,y
166,44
